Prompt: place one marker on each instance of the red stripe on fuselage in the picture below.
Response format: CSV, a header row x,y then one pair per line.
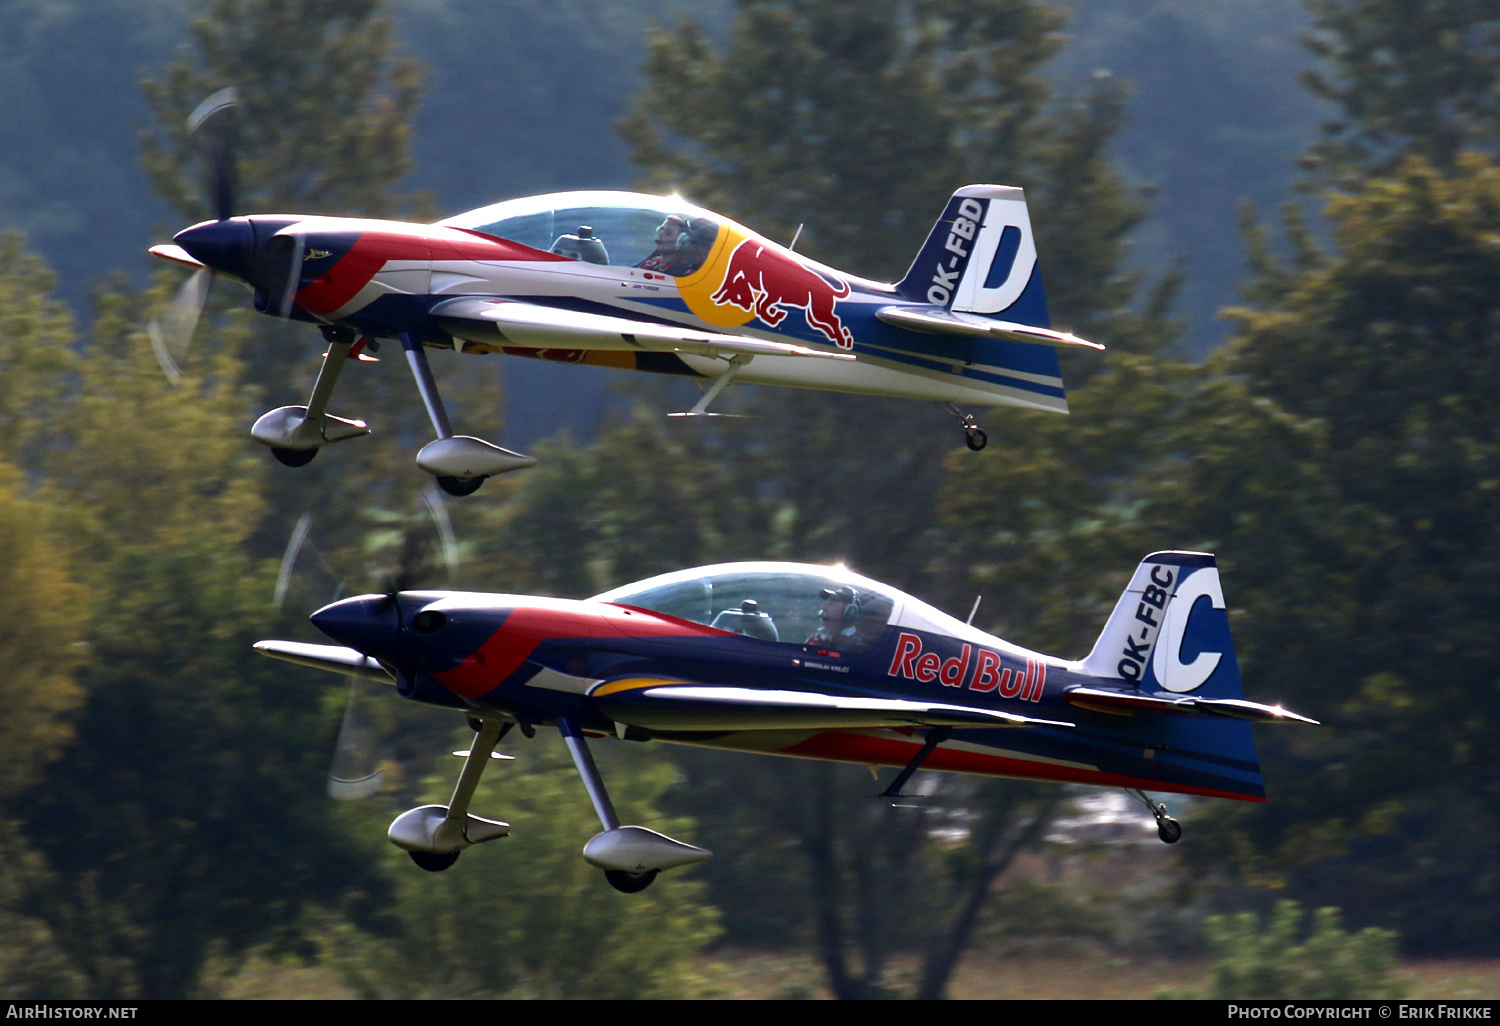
x,y
342,282
528,626
844,746
510,646
374,247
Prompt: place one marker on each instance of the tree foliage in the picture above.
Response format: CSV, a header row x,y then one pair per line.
x,y
1274,961
1410,78
1363,554
326,112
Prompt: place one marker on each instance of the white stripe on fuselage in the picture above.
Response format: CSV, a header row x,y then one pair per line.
x,y
618,287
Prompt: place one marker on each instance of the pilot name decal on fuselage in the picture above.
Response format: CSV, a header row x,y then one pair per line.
x,y
1148,617
957,249
913,663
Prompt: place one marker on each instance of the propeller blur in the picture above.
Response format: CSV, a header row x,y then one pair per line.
x,y
808,662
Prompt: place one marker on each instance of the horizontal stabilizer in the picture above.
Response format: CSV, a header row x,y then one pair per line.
x,y
547,327
944,322
655,705
1127,703
333,658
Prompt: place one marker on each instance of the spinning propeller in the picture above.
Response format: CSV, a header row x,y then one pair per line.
x,y
266,253
355,771
214,127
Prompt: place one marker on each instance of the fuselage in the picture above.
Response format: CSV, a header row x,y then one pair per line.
x,y
383,278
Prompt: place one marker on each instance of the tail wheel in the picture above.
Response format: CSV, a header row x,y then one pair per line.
x,y
433,863
1169,830
975,438
625,883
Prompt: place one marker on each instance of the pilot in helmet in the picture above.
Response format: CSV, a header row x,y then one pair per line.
x,y
675,253
837,618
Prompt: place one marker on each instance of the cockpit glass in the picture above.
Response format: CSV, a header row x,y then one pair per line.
x,y
822,610
671,240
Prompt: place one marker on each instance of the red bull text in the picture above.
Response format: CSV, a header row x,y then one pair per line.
x,y
911,662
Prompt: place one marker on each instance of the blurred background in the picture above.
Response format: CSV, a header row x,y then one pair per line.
x,y
1282,218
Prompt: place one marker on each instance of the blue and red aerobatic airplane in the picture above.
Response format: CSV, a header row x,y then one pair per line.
x,y
630,281
810,662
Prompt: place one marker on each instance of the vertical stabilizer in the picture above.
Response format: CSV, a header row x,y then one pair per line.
x,y
1170,631
980,258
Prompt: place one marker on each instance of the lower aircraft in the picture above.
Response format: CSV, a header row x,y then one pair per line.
x,y
811,662
623,280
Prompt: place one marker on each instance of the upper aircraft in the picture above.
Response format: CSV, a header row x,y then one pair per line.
x,y
619,279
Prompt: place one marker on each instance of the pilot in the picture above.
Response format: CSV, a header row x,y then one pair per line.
x,y
838,619
676,251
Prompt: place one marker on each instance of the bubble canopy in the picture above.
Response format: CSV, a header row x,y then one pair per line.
x,y
618,229
793,603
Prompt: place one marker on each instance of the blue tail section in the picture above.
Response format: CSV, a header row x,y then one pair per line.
x,y
980,257
1168,637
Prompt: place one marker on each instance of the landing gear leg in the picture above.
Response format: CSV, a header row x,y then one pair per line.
x,y
631,856
296,433
935,737
974,436
435,835
700,409
1167,828
459,462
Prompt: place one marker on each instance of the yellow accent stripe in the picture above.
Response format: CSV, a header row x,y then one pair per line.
x,y
630,684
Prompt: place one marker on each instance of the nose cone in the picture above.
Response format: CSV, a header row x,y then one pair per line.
x,y
226,246
369,624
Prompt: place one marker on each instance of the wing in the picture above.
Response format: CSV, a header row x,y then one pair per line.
x,y
944,322
333,658
547,327
678,705
1127,703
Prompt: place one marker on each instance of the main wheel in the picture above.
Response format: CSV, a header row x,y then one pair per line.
x,y
975,438
1169,830
293,457
433,863
630,883
460,486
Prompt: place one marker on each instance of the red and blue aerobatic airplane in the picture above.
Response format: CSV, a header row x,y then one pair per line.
x,y
624,280
809,662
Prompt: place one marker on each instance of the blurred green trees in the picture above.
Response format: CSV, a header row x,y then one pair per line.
x,y
1362,539
326,112
1409,78
1277,962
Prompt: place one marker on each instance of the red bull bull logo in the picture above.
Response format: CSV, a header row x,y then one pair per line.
x,y
765,282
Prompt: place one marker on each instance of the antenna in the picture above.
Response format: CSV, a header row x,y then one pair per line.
x,y
793,243
970,620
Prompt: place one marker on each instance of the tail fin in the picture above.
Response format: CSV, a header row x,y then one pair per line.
x,y
981,258
1170,630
